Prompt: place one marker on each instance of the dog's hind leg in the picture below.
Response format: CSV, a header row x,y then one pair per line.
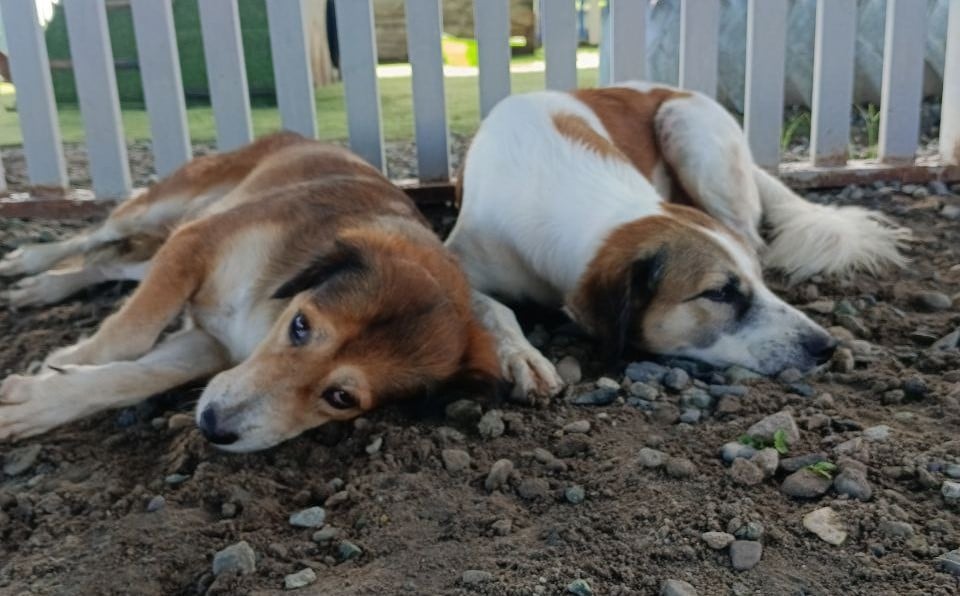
x,y
55,285
33,405
533,376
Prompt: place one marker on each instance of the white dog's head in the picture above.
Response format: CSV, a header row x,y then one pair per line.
x,y
681,284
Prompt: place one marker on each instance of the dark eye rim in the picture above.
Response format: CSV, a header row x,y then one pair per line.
x,y
730,292
339,398
299,331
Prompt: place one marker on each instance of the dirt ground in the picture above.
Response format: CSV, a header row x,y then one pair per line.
x,y
82,517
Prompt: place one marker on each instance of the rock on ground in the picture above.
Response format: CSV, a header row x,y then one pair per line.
x,y
767,427
499,473
745,554
300,579
677,587
312,517
475,577
805,484
236,558
717,540
825,523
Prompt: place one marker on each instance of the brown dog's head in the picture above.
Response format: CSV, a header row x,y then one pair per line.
x,y
377,318
681,284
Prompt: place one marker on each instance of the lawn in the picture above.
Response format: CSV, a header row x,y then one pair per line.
x,y
396,102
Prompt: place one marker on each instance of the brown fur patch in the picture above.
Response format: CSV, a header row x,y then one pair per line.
x,y
579,131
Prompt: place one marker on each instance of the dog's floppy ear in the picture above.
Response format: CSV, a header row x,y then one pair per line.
x,y
342,259
621,304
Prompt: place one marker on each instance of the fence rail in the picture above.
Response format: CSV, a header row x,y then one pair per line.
x,y
699,30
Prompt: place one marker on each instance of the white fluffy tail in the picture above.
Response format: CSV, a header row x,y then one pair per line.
x,y
807,239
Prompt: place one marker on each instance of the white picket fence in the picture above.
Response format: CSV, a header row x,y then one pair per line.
x,y
220,24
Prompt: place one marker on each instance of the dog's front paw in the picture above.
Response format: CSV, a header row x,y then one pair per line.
x,y
32,405
79,353
535,379
30,258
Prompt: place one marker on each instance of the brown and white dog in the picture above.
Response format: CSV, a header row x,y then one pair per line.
x,y
638,209
312,287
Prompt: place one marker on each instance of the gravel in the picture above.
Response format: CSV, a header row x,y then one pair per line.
x,y
577,426
602,396
950,491
877,434
768,460
950,562
455,460
932,301
677,587
312,517
21,459
825,523
767,427
569,370
676,379
499,474
491,425
325,534
854,483
348,550
533,489
646,372
792,464
575,494
680,467
745,472
464,411
717,540
580,587
156,504
734,450
651,458
475,577
236,558
745,554
300,579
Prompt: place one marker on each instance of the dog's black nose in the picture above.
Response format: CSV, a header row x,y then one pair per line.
x,y
208,427
820,347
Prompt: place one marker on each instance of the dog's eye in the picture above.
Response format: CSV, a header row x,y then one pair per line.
x,y
340,399
299,330
728,293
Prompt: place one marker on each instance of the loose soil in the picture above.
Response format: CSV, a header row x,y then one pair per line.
x,y
76,522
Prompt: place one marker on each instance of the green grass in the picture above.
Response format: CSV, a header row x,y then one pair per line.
x,y
396,104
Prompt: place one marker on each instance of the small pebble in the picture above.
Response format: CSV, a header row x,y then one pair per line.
x,y
878,433
789,375
575,494
180,420
238,558
156,504
499,473
895,529
751,530
645,372
643,391
721,390
325,534
175,479
738,374
745,554
676,379
651,458
491,425
603,396
348,550
825,523
569,370
533,489
745,472
455,460
805,484
717,540
577,426
300,579
680,467
853,482
21,459
950,491
580,587
690,416
768,460
733,450
792,464
464,411
767,427
312,517
677,587
475,577
932,301
950,562
374,446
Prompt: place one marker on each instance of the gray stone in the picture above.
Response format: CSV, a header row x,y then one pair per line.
x,y
348,550
575,494
853,325
312,517
156,504
752,530
236,558
825,523
767,460
607,383
717,540
577,426
734,450
645,372
950,562
895,529
533,489
844,307
455,460
792,464
738,374
915,388
853,482
580,587
676,379
644,391
745,554
767,427
877,433
805,484
602,396
325,534
694,397
932,301
802,389
950,491
680,467
569,370
21,459
651,458
855,448
571,445
464,411
721,390
843,360
502,527
475,577
491,425
374,446
745,472
677,587
176,479
690,416
499,473
952,470
948,341
300,579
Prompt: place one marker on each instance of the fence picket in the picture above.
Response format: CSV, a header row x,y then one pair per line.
x,y
492,18
628,20
291,66
836,31
424,29
226,72
699,32
358,67
159,62
901,92
950,118
37,109
763,90
96,81
559,20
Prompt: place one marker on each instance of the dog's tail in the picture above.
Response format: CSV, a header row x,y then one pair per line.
x,y
806,239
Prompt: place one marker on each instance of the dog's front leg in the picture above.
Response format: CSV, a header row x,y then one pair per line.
x,y
33,405
533,376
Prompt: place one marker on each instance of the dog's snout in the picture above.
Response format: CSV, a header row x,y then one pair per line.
x,y
208,427
820,347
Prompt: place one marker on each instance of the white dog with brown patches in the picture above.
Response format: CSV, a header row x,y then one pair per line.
x,y
576,200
